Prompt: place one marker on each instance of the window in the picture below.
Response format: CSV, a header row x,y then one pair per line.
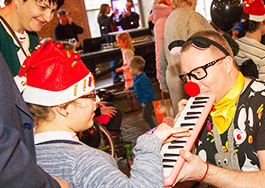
x,y
92,8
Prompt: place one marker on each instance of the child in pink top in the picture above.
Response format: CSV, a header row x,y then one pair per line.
x,y
125,43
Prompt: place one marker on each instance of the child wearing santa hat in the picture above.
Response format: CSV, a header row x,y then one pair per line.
x,y
59,90
250,46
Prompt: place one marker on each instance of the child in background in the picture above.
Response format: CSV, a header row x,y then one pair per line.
x,y
125,43
142,86
160,11
62,102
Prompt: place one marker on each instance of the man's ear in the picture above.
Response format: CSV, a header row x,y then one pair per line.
x,y
62,111
228,63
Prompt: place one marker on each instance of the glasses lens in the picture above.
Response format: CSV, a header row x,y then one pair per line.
x,y
90,95
198,73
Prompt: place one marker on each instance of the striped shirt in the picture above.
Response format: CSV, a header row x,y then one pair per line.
x,y
252,49
83,166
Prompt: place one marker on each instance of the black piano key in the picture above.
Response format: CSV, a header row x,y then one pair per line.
x,y
171,155
175,147
201,98
168,166
178,142
199,102
193,113
169,160
191,117
196,106
187,124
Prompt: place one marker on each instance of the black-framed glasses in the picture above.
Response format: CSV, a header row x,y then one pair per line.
x,y
199,72
91,95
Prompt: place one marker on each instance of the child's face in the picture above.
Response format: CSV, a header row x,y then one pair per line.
x,y
133,71
122,44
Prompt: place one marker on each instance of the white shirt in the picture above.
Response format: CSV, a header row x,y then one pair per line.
x,y
55,135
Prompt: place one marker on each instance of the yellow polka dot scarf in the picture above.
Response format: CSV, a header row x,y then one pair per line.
x,y
223,112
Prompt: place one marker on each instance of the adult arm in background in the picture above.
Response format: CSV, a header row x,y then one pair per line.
x,y
163,68
17,152
76,28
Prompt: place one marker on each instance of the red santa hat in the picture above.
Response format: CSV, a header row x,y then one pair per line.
x,y
255,10
54,76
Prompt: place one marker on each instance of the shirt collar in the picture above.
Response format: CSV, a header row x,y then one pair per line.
x,y
55,135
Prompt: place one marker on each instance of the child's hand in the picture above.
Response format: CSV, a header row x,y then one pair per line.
x,y
181,105
126,90
167,134
143,105
108,110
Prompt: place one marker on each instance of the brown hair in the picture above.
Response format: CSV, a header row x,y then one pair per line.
x,y
137,62
44,113
58,2
102,9
126,36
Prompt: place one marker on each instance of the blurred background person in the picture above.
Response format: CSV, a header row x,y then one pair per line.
x,y
129,19
250,46
160,11
180,24
106,23
66,29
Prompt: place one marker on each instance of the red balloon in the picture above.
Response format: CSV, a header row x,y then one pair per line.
x,y
192,89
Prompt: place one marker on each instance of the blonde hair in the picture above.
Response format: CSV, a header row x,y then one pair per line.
x,y
137,62
178,3
126,36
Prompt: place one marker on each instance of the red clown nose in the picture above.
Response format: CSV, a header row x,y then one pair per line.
x,y
192,89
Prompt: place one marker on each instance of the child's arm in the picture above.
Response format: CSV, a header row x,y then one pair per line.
x,y
120,69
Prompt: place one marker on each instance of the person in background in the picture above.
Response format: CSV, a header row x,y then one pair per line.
x,y
66,29
250,46
109,116
142,86
128,19
67,106
107,25
232,139
180,24
25,17
125,43
160,11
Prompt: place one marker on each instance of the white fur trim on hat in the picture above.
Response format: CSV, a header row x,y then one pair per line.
x,y
51,98
257,18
